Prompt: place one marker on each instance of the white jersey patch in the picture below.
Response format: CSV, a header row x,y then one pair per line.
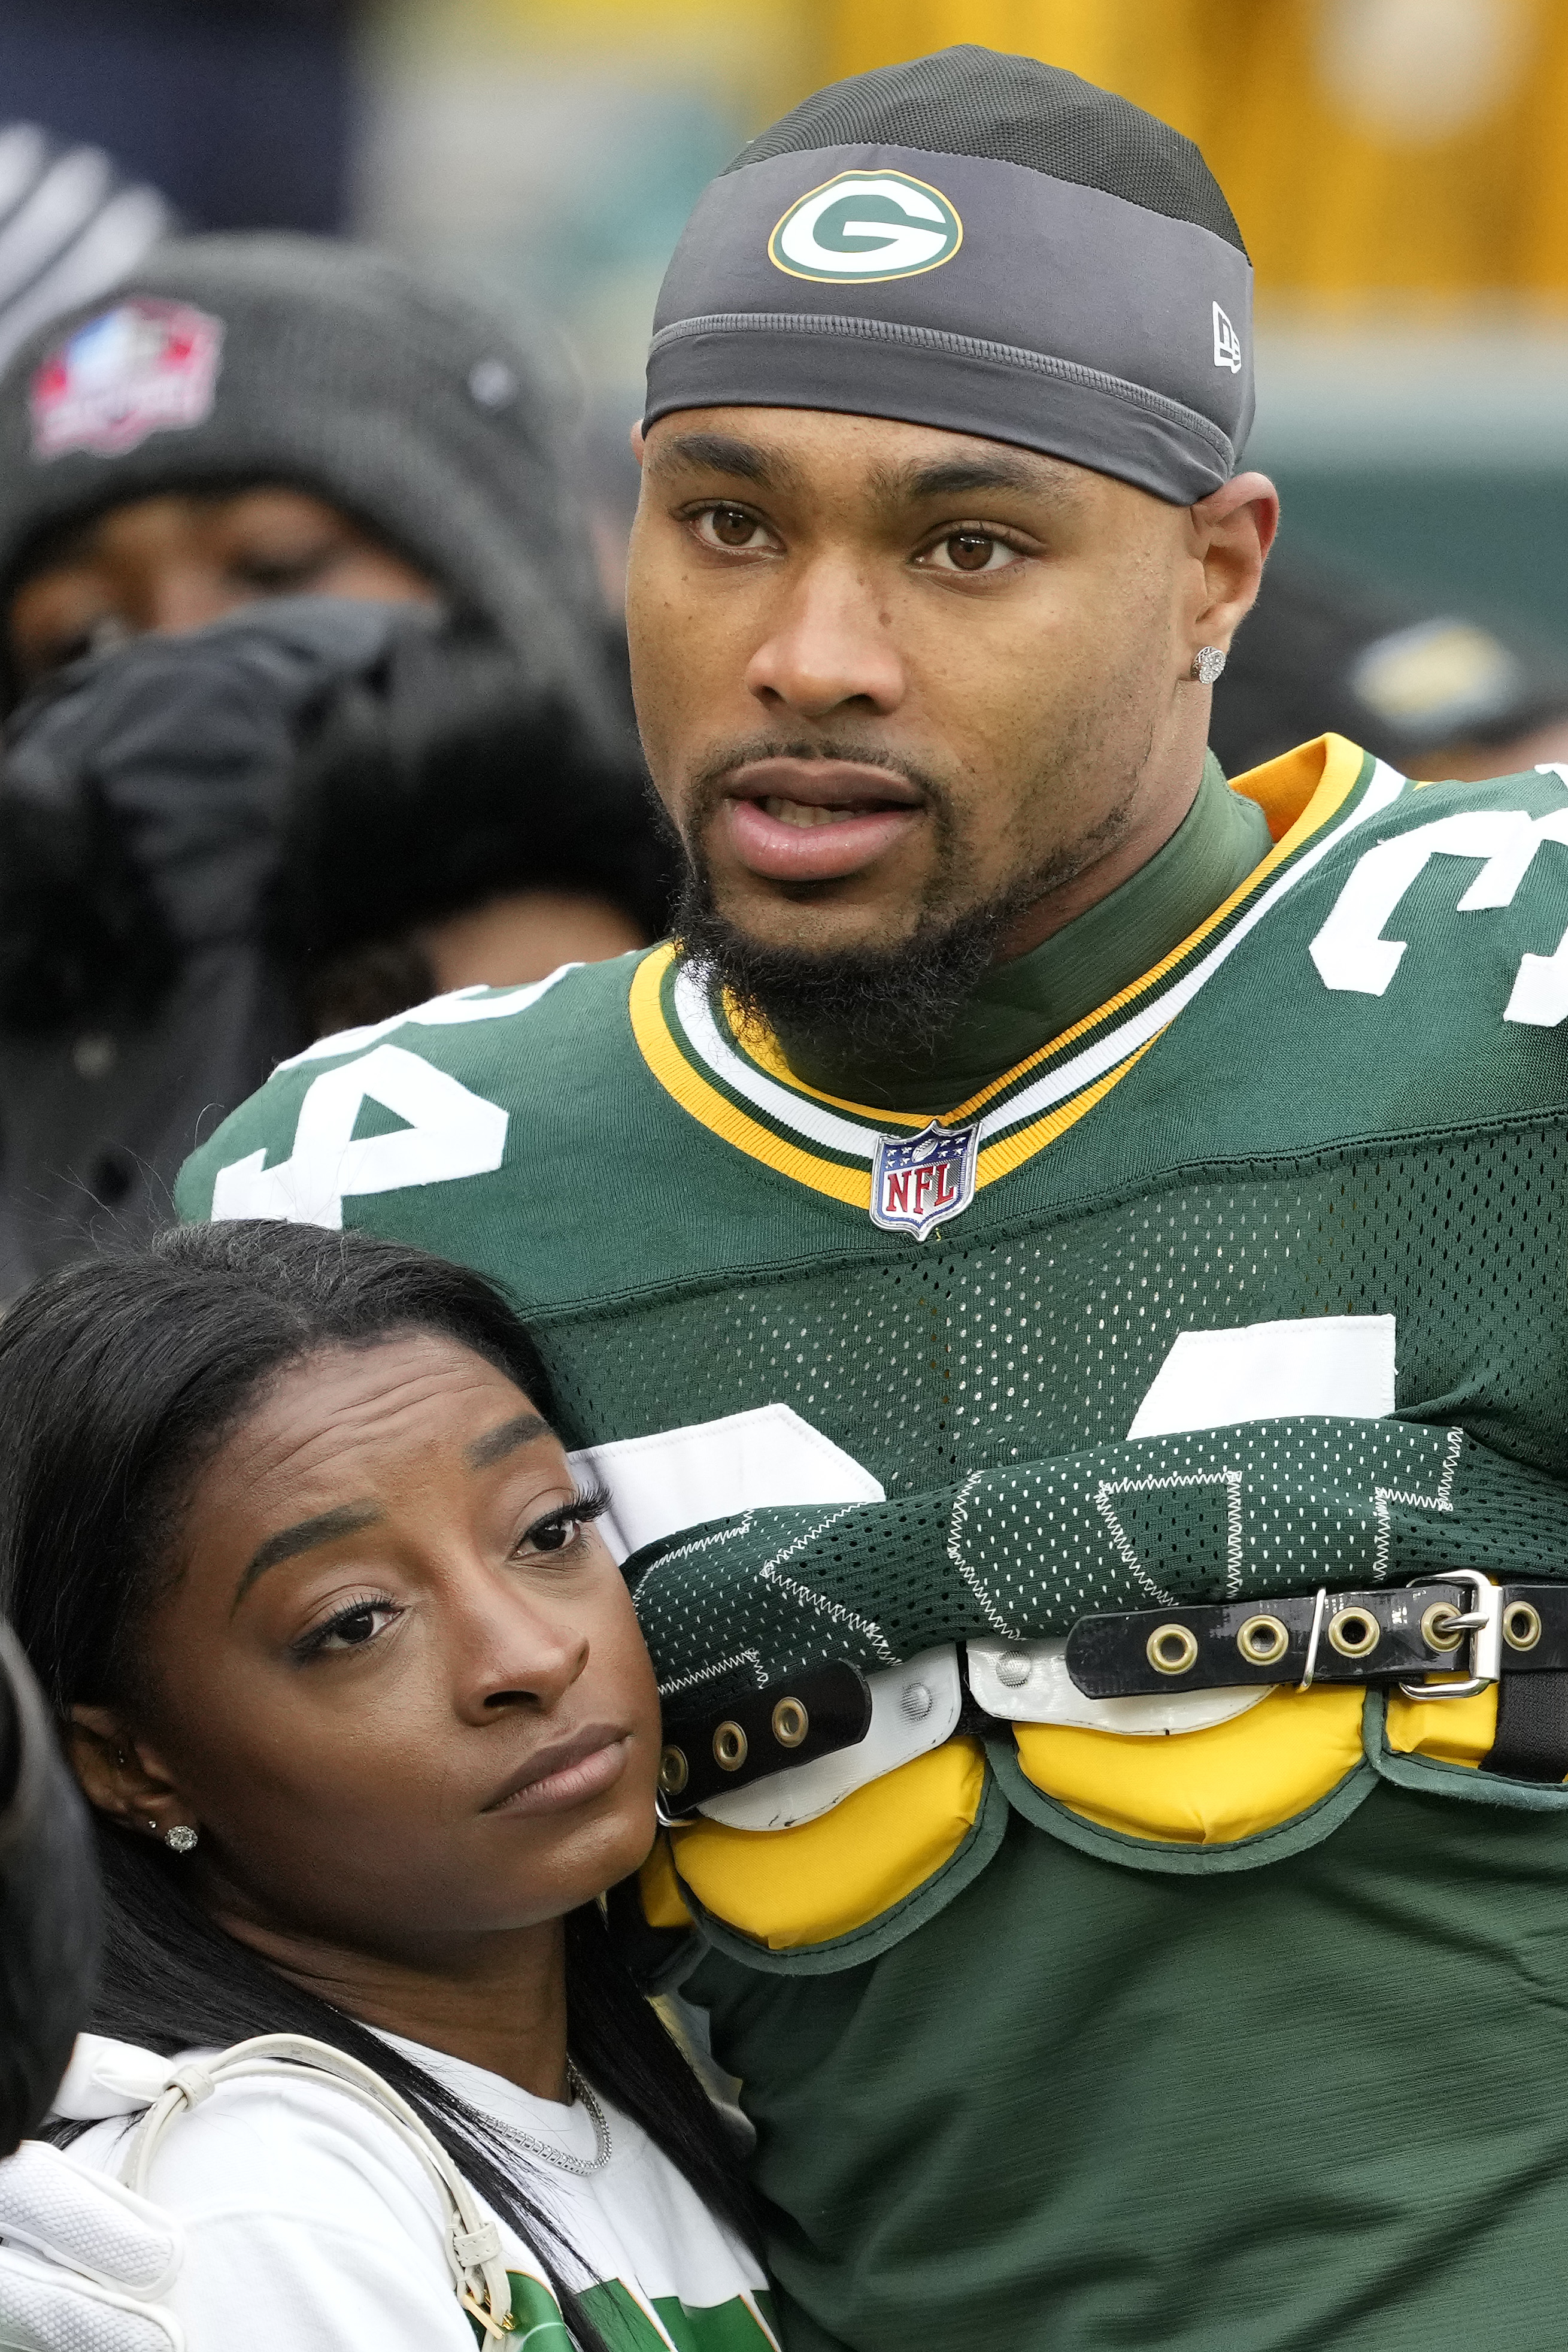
x,y
755,1461
1332,1364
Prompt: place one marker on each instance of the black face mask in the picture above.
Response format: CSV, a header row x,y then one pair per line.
x,y
143,796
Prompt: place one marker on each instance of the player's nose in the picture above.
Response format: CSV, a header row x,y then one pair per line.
x,y
831,645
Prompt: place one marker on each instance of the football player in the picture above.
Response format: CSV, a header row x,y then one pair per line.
x,y
1081,1244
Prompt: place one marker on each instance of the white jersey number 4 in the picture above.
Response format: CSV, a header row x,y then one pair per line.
x,y
448,1132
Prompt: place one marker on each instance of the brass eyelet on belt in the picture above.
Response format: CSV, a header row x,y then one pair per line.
x,y
673,1771
1521,1625
1171,1649
1440,1626
1263,1640
790,1723
1354,1632
729,1747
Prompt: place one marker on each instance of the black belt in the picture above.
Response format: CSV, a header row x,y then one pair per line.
x,y
821,1711
1514,1634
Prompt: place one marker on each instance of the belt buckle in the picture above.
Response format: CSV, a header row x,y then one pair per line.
x,y
1482,1623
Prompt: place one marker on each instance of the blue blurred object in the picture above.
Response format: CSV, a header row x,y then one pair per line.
x,y
240,110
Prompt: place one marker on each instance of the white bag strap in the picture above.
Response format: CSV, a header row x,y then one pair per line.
x,y
473,2241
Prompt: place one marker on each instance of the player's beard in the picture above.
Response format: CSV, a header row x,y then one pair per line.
x,y
882,1003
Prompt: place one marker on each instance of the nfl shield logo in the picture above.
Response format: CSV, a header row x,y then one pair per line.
x,y
144,367
918,1181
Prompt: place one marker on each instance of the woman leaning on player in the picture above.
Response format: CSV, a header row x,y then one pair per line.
x,y
357,1698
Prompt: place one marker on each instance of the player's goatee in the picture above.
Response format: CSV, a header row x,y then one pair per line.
x,y
888,1001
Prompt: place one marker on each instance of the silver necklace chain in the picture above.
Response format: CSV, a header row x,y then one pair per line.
x,y
584,2168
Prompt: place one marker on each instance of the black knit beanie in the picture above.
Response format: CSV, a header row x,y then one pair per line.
x,y
233,359
982,243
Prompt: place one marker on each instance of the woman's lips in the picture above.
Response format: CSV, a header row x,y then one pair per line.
x,y
568,1774
815,821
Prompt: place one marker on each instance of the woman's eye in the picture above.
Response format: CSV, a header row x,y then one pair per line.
x,y
730,527
351,1628
560,1530
971,550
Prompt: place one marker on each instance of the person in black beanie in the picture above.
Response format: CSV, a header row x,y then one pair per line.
x,y
414,437
283,533
1435,692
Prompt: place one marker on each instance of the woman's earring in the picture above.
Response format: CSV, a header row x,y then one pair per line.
x,y
1207,665
181,1838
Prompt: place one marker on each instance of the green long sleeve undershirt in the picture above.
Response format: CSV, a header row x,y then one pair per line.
x,y
1020,1007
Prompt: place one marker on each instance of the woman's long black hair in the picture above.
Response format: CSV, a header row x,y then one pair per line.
x,y
120,1379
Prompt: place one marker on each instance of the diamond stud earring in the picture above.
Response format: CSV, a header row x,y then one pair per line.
x,y
1207,665
181,1838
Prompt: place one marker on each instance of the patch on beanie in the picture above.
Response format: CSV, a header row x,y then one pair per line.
x,y
146,367
866,228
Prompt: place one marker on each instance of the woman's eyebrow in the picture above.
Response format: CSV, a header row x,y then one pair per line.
x,y
325,1527
505,1440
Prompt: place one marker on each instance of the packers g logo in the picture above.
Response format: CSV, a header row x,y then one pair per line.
x,y
864,226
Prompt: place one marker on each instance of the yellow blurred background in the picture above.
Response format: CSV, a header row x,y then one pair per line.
x,y
1399,169
1412,149
1368,147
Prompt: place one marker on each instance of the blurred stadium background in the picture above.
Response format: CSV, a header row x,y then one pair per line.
x,y
1399,169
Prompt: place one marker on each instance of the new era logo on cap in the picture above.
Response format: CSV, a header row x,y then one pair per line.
x,y
143,367
862,226
1226,343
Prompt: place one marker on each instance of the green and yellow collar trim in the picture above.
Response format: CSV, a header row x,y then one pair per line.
x,y
735,1081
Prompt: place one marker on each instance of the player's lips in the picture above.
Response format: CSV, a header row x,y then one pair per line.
x,y
568,1772
816,820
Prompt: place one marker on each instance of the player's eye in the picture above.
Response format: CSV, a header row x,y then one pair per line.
x,y
731,528
970,551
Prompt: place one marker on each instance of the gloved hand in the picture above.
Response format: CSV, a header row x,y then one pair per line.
x,y
83,2262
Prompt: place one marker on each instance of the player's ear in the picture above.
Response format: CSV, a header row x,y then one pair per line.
x,y
1235,527
638,443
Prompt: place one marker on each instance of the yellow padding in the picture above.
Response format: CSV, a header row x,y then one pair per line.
x,y
663,1903
1202,1788
1457,1730
806,1885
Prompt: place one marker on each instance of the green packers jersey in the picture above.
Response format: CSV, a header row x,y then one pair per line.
x,y
1226,2018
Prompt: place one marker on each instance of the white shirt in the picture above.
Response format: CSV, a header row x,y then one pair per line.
x,y
311,2223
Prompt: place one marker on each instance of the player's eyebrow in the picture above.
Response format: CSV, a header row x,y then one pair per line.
x,y
520,1430
724,453
949,478
327,1526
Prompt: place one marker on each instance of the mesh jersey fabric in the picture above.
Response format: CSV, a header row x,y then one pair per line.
x,y
1234,1141
967,101
1015,1347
